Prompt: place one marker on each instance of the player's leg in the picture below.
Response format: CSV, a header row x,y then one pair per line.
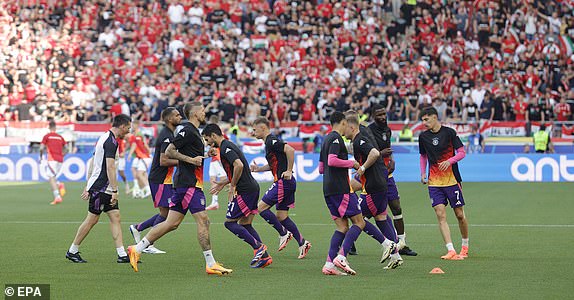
x,y
336,241
286,201
116,230
136,188
211,266
91,219
398,222
356,185
53,170
440,211
269,199
457,204
122,172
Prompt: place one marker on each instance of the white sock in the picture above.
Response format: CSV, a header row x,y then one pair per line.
x,y
56,193
395,255
121,251
387,243
465,242
450,247
402,237
136,185
74,248
209,259
144,243
214,199
329,265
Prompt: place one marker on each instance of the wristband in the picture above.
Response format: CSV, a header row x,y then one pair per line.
x,y
362,169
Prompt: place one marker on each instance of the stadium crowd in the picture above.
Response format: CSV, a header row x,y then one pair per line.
x,y
87,60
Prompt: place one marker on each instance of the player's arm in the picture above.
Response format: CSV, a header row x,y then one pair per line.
x,y
423,162
391,166
334,161
172,153
164,160
460,154
371,158
42,150
290,153
255,168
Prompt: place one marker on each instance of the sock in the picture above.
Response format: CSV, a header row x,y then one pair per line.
x,y
290,225
465,242
252,231
402,237
74,248
450,247
214,199
158,220
121,251
270,218
56,193
147,223
387,229
336,241
144,243
350,239
209,259
242,234
373,231
136,185
395,255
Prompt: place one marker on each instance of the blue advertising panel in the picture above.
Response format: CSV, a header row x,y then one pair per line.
x,y
474,168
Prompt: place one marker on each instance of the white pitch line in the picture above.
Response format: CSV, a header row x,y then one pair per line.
x,y
319,224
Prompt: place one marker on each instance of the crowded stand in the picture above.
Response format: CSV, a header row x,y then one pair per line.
x,y
294,62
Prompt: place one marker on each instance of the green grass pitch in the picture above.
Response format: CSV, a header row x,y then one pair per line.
x,y
521,241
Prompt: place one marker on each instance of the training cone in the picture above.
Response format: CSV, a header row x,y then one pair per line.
x,y
436,271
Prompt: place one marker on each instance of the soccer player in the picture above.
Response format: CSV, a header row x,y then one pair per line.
x,y
216,172
243,194
373,178
122,162
382,135
437,145
141,163
102,190
188,148
160,177
280,157
55,146
339,197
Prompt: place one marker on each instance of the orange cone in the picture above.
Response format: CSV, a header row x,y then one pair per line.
x,y
436,271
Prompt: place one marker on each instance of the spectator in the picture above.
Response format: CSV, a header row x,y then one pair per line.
x,y
475,143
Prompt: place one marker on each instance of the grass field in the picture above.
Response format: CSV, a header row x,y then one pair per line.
x,y
521,240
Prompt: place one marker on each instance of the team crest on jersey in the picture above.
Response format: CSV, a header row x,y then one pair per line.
x,y
435,141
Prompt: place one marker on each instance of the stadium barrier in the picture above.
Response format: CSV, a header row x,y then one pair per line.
x,y
474,168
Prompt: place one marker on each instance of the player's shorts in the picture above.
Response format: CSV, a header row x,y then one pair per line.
x,y
161,193
187,198
282,194
121,164
100,202
216,169
343,205
373,204
243,205
392,191
52,168
141,164
446,194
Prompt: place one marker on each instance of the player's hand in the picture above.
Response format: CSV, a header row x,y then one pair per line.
x,y
212,152
287,175
231,192
361,171
114,200
444,165
196,160
424,179
253,167
216,187
386,152
85,195
356,166
391,166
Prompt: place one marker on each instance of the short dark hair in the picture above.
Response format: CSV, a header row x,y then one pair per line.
x,y
542,126
167,112
212,129
261,120
120,120
336,118
189,106
429,111
52,124
376,107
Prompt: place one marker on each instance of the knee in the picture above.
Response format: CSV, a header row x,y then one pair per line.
x,y
460,216
360,223
396,208
229,224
